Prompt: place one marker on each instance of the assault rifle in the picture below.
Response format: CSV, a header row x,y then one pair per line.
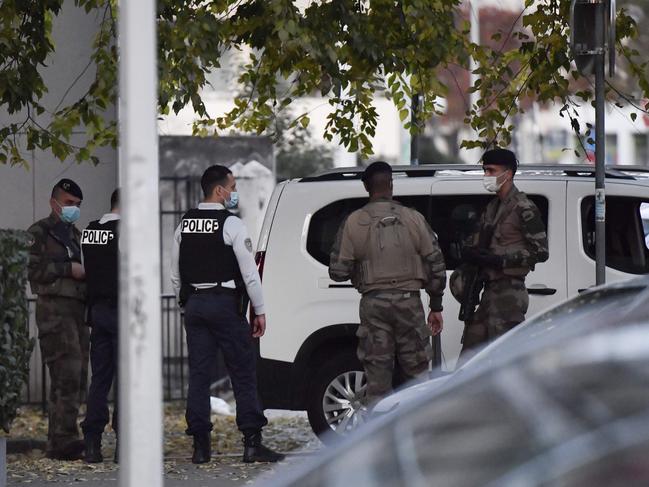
x,y
474,279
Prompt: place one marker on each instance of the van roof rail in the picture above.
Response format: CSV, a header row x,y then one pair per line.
x,y
429,170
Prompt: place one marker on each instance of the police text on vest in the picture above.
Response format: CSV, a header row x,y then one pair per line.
x,y
199,225
96,237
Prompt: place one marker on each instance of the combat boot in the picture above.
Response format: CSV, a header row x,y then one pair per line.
x,y
202,448
93,449
70,452
255,451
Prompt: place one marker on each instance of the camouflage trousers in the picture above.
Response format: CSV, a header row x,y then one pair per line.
x,y
393,326
502,306
64,341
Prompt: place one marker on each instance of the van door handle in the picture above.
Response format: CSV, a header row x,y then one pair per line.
x,y
541,291
326,283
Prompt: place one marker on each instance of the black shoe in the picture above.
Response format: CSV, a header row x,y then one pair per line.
x,y
202,448
254,451
93,449
70,452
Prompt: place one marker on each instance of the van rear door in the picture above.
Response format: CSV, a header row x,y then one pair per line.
x,y
627,252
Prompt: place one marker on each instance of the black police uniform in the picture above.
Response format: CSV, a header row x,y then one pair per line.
x,y
214,319
101,253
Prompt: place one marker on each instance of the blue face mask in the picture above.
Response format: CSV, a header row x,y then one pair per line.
x,y
233,202
69,214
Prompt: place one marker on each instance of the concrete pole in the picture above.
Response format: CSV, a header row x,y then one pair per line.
x,y
600,150
140,373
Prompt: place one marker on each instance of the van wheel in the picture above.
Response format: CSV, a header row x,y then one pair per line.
x,y
335,397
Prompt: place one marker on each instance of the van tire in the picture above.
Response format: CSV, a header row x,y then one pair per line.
x,y
341,365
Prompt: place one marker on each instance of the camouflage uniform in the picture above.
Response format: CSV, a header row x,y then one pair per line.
x,y
519,237
392,316
60,317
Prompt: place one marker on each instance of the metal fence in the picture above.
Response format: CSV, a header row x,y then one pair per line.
x,y
174,357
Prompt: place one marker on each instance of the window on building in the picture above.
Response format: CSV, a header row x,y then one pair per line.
x,y
554,143
626,232
588,144
641,149
611,149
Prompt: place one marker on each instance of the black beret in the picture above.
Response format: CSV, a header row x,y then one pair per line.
x,y
500,157
374,168
70,186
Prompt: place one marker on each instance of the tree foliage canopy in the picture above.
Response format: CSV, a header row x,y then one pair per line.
x,y
349,51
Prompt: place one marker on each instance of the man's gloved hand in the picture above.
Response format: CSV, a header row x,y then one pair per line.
x,y
470,255
482,257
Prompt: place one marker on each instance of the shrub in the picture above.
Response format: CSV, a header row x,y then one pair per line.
x,y
15,344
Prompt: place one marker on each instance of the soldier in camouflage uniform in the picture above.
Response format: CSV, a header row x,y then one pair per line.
x,y
518,242
390,252
57,277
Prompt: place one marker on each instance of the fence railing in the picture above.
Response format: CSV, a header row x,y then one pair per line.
x,y
174,357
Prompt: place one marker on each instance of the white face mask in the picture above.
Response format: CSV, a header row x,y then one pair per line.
x,y
491,183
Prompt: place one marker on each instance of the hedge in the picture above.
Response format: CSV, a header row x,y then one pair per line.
x,y
15,344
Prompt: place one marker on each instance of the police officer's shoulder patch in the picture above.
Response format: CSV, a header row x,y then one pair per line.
x,y
248,243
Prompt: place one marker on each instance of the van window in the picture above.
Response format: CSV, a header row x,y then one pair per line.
x,y
627,227
438,210
326,222
451,230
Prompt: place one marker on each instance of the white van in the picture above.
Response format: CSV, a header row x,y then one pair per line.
x,y
307,358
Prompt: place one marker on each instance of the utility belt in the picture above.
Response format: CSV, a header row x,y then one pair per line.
x,y
391,294
238,293
504,278
63,287
510,273
111,301
216,290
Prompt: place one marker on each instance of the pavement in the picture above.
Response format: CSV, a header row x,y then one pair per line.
x,y
287,432
222,471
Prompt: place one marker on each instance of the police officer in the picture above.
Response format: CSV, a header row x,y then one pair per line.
x,y
213,268
390,252
517,242
100,246
57,276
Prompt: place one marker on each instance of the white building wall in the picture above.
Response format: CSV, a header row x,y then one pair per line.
x,y
26,191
